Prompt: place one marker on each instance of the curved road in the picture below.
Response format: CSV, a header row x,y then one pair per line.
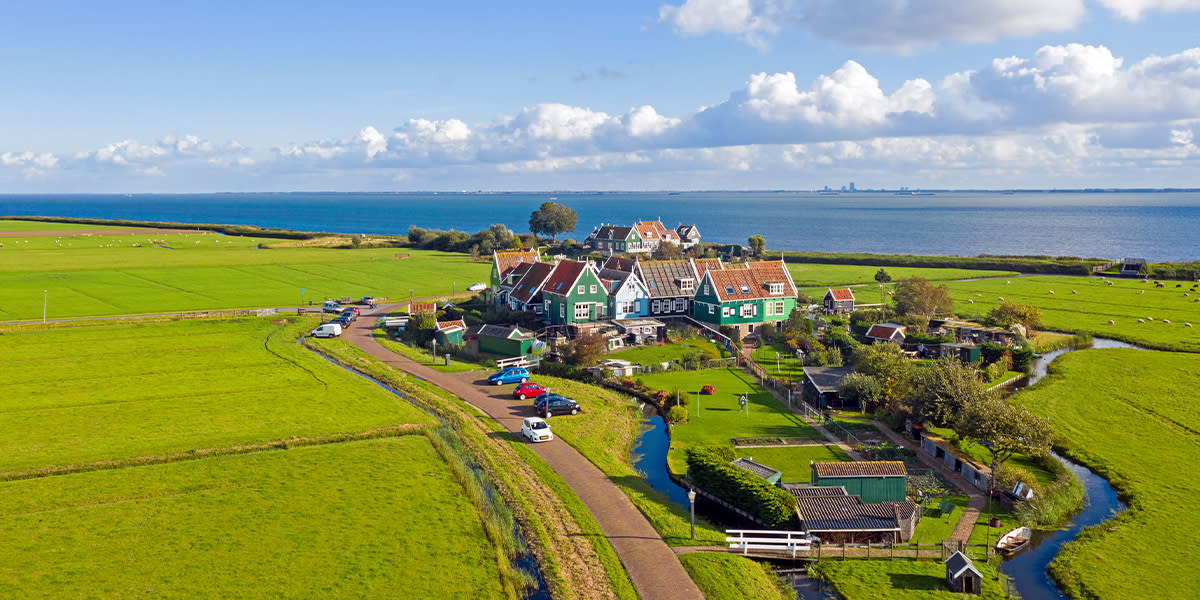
x,y
652,565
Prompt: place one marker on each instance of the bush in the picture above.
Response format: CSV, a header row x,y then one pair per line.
x,y
708,390
677,414
679,397
661,396
709,467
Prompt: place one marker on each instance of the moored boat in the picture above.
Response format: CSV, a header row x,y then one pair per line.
x,y
1014,540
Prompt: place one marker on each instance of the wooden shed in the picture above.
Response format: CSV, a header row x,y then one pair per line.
x,y
450,333
821,383
771,475
505,340
961,574
963,352
872,480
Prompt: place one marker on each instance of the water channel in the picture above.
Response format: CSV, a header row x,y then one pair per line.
x,y
1027,569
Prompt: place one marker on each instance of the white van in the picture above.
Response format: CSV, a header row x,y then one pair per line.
x,y
327,330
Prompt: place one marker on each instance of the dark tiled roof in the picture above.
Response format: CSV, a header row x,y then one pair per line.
x,y
860,468
809,491
840,294
662,277
612,232
529,285
563,277
847,513
516,271
757,468
957,563
751,281
619,263
827,379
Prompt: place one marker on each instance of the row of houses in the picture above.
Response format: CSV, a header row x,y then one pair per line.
x,y
641,237
576,295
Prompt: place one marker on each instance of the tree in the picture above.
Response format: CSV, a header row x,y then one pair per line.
x,y
861,388
888,365
917,297
758,245
552,219
584,350
1004,429
882,276
667,251
941,390
1010,313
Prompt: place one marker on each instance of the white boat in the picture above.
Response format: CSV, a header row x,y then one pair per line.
x,y
1014,540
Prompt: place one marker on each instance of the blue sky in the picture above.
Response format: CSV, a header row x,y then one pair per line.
x,y
695,94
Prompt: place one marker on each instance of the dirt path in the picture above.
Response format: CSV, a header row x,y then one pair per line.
x,y
654,569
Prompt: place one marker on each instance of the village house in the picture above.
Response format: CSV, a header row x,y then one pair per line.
x,y
526,294
689,236
615,238
655,234
573,297
838,300
837,517
671,284
745,297
628,297
886,332
822,383
451,333
505,340
507,268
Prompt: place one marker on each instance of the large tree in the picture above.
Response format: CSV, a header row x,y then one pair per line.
x,y
917,297
888,365
941,390
584,350
758,245
552,219
1010,313
1004,429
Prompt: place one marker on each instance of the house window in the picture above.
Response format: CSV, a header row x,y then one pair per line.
x,y
680,304
769,308
779,308
749,310
727,311
579,289
711,309
547,306
657,306
687,285
591,289
562,311
707,290
583,310
776,289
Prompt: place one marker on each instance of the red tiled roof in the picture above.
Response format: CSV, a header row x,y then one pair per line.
x,y
860,468
841,294
618,263
654,230
883,332
751,281
707,264
508,259
448,325
563,277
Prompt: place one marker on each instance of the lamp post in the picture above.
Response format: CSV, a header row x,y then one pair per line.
x,y
692,508
45,299
301,300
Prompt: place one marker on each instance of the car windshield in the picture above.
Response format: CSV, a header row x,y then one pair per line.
x,y
539,425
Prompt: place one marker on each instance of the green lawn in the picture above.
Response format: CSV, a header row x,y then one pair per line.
x,y
794,462
732,577
783,366
901,580
721,419
424,357
131,273
1133,416
936,526
668,352
336,520
1094,304
815,275
81,393
21,225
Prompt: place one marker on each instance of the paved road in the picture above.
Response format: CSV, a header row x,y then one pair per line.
x,y
652,565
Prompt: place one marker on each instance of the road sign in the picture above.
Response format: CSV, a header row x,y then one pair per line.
x,y
742,400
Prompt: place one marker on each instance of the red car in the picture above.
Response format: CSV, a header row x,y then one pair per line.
x,y
352,309
528,390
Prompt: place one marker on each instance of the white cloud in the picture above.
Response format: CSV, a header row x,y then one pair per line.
x,y
747,19
1132,10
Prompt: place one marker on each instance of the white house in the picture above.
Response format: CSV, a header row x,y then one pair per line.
x,y
628,296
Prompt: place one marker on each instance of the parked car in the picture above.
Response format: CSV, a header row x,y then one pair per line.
x,y
509,375
342,321
477,287
331,306
349,314
367,301
536,430
528,390
353,309
327,330
547,404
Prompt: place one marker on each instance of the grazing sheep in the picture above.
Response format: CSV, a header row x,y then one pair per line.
x,y
1141,291
1007,282
1141,320
978,295
1179,285
1110,322
1167,321
1000,298
1187,324
1074,292
1185,294
969,301
1149,318
1051,292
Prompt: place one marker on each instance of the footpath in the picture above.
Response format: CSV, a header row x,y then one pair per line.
x,y
652,566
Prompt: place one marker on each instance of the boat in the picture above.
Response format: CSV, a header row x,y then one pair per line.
x,y
1014,540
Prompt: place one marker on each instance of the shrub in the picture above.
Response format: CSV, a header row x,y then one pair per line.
x,y
679,397
709,468
708,390
661,396
1009,474
677,414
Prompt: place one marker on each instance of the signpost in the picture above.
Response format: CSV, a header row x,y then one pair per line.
x,y
744,403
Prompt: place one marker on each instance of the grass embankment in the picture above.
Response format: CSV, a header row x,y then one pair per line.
x,y
809,275
576,558
327,520
901,580
1023,264
721,418
15,225
732,577
1093,305
114,391
101,275
425,358
1132,417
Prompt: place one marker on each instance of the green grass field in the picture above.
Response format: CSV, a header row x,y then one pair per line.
x,y
901,580
21,225
132,274
646,355
424,357
1094,304
1133,416
783,366
101,391
816,275
327,521
731,577
793,462
721,419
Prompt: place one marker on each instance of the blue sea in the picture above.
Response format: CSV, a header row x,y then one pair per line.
x,y
1162,226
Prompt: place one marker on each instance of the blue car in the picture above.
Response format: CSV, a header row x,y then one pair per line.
x,y
509,375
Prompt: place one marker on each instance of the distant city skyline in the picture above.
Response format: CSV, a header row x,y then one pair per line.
x,y
686,95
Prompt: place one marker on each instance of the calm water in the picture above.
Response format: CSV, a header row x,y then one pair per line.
x,y
1156,226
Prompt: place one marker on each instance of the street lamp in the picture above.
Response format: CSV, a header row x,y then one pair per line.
x,y
45,299
301,300
692,507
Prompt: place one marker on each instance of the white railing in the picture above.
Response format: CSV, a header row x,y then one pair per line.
x,y
776,541
516,361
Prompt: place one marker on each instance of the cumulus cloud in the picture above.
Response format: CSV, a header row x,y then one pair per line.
x,y
895,24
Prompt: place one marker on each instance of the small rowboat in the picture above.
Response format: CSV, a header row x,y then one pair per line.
x,y
1014,540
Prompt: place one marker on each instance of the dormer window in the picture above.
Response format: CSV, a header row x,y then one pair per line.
x,y
729,290
687,284
775,288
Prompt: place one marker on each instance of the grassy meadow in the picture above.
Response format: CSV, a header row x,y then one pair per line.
x,y
106,391
18,225
328,521
813,274
732,577
901,580
1133,416
146,272
721,418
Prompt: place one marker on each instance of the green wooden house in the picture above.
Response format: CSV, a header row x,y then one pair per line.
x,y
450,333
507,268
872,480
615,238
505,340
745,296
574,295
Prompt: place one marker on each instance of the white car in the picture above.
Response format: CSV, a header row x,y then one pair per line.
x,y
477,287
536,430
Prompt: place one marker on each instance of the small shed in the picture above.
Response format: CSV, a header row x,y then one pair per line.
x,y
961,574
886,332
450,333
771,475
839,300
1132,267
505,340
872,480
822,384
964,352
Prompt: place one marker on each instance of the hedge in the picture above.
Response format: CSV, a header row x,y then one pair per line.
x,y
709,467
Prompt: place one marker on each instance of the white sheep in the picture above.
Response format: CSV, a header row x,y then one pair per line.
x,y
1000,298
1074,292
1187,324
1007,283
1149,318
1141,291
1167,321
1051,292
1141,320
969,301
1110,322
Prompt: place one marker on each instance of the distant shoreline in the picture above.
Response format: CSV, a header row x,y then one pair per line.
x,y
906,191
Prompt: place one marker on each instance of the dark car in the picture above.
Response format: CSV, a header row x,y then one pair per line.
x,y
343,321
353,316
550,403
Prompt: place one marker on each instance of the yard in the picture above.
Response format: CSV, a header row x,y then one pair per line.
x,y
1131,416
110,391
793,462
164,272
654,354
779,362
327,520
720,418
901,580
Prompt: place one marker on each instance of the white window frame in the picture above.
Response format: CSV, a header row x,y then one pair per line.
x,y
712,309
748,310
656,307
591,289
687,284
562,311
586,310
681,304
776,289
780,308
727,311
579,289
